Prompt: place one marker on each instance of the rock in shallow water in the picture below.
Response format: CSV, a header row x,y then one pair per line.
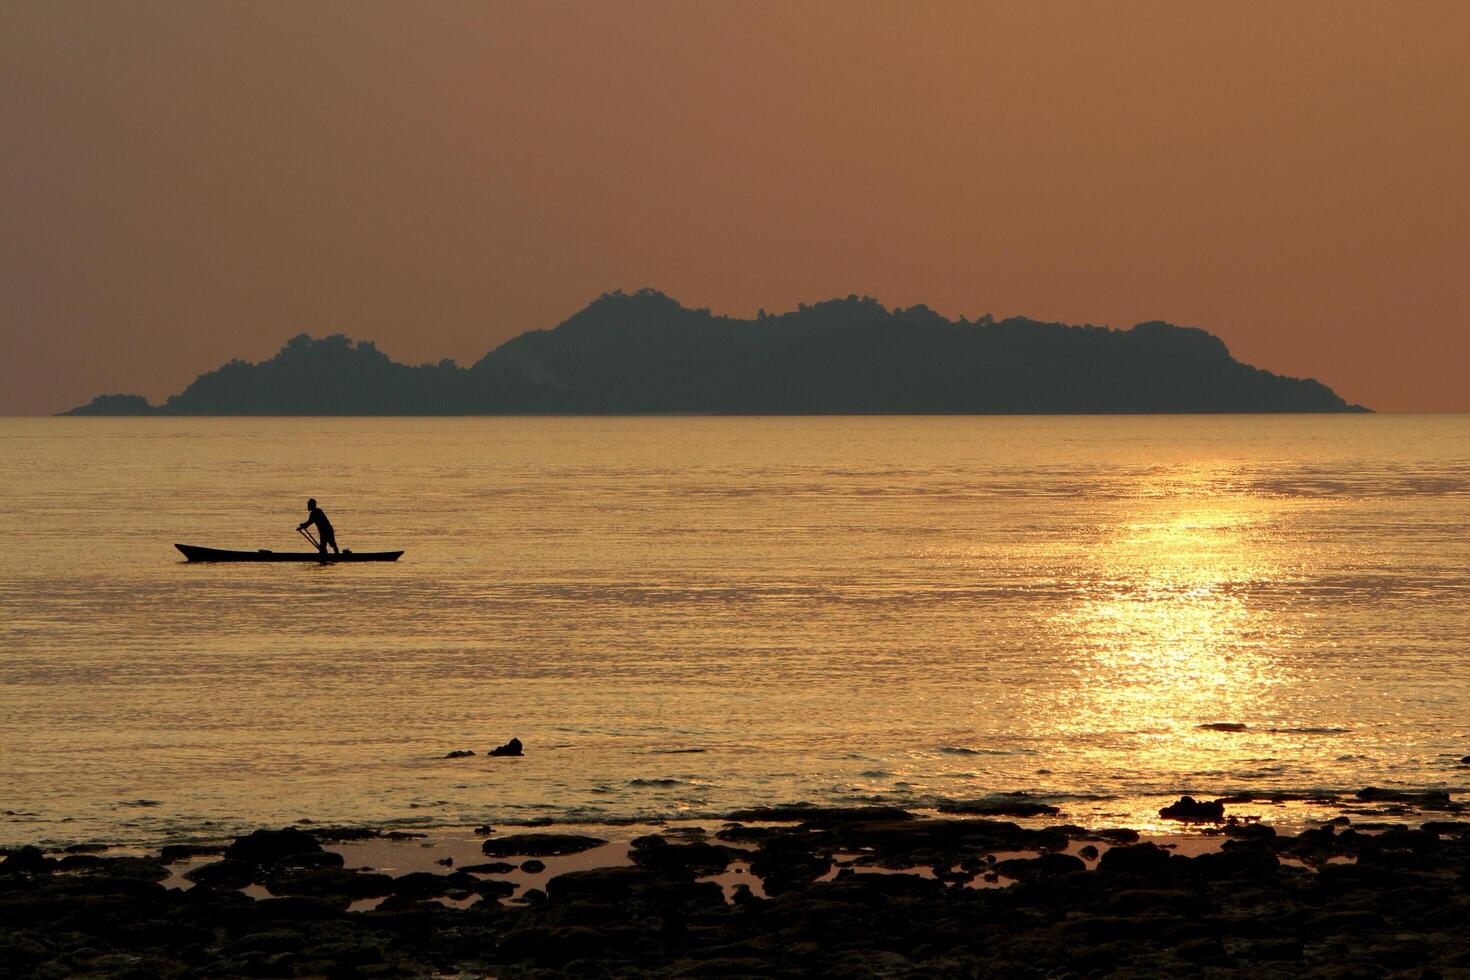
x,y
1195,811
539,845
513,747
265,847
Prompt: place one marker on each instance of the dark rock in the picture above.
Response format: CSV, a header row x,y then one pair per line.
x,y
266,847
313,859
425,884
600,884
495,888
539,845
1045,866
484,830
174,853
82,862
819,816
460,754
492,868
1088,852
1134,859
533,866
513,747
1222,726
330,884
1016,805
228,873
1425,799
697,858
1270,950
1117,835
1187,808
27,860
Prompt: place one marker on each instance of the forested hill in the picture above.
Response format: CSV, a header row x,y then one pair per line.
x,y
645,353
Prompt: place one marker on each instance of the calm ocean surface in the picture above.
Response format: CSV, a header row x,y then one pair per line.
x,y
679,616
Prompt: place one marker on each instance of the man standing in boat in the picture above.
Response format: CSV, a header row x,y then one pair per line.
x,y
323,527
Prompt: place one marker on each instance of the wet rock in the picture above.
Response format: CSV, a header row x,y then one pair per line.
x,y
425,884
459,753
1250,831
1045,866
1423,799
266,847
329,884
494,888
27,860
81,862
1269,950
1088,852
600,884
1134,859
1187,808
539,845
484,830
695,858
313,859
1000,806
533,866
491,868
173,853
513,747
819,816
228,873
1116,835
554,947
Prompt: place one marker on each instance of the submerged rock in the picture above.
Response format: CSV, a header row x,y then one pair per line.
x,y
459,754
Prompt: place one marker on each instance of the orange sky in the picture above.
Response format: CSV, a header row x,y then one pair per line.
x,y
182,183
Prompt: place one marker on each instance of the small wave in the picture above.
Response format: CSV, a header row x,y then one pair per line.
x,y
675,751
657,782
1222,726
961,750
1310,730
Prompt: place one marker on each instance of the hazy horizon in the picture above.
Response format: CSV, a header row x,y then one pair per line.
x,y
183,184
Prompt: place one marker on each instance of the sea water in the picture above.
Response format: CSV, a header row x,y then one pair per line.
x,y
679,616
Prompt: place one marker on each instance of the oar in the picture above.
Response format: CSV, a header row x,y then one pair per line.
x,y
307,536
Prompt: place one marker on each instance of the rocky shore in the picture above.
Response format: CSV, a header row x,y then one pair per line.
x,y
1380,889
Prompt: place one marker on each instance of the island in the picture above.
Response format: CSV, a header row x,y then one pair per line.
x,y
645,353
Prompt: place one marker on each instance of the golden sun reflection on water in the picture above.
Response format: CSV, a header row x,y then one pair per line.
x,y
1168,639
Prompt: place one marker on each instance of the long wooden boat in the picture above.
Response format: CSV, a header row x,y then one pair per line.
x,y
196,553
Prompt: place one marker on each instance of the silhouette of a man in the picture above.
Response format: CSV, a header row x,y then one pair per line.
x,y
323,526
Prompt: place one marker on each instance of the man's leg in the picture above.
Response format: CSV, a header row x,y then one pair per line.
x,y
332,539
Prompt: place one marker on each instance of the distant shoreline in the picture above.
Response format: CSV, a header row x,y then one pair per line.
x,y
644,353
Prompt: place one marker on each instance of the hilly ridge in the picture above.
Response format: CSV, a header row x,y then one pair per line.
x,y
643,352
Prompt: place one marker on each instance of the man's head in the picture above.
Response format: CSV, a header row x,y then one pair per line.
x,y
311,504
